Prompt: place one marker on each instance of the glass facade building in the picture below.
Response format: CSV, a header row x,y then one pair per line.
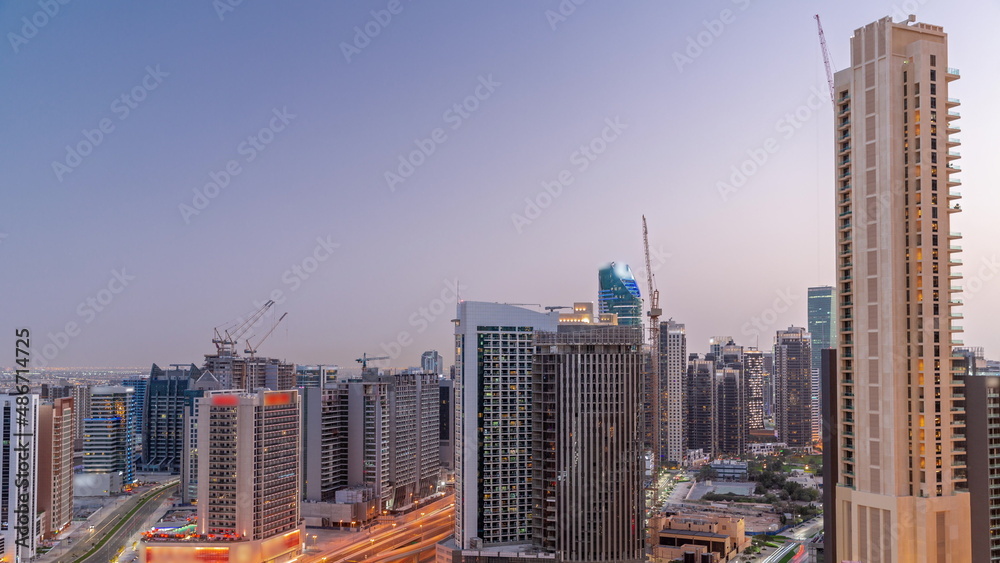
x,y
618,293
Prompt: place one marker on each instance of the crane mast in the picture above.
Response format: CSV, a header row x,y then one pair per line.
x,y
653,380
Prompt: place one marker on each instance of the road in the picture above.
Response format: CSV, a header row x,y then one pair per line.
x,y
415,532
117,540
797,537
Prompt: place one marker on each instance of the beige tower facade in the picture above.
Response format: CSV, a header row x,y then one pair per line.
x,y
901,493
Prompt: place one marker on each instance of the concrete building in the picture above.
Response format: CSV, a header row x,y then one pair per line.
x,y
586,470
315,376
793,387
703,538
19,462
248,484
494,355
108,438
163,433
189,427
901,494
81,412
673,385
236,372
55,465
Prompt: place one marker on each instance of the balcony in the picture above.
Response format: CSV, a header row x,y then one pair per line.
x,y
953,155
952,74
952,102
844,124
954,141
954,115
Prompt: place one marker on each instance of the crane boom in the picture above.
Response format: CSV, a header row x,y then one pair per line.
x,y
365,358
253,349
228,341
826,58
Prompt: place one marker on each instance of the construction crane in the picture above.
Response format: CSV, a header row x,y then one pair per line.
x,y
228,342
654,347
365,358
826,58
551,308
252,350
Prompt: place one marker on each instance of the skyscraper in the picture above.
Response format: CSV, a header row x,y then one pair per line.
x,y
18,476
793,412
901,489
702,395
432,362
982,386
163,434
249,484
618,293
673,385
494,354
109,436
55,464
753,374
822,323
587,444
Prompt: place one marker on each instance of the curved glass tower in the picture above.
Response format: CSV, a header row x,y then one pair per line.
x,y
618,293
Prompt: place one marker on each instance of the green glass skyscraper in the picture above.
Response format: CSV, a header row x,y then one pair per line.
x,y
822,325
618,293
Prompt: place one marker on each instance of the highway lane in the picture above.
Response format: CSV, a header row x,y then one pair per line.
x,y
437,519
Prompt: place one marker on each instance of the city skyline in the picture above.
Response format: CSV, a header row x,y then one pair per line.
x,y
109,247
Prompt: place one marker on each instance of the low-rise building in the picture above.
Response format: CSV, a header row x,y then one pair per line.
x,y
674,536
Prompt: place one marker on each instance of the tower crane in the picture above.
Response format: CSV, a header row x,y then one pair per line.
x,y
826,58
228,342
365,358
252,350
654,348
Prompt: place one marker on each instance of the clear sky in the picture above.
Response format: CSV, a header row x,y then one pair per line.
x,y
165,165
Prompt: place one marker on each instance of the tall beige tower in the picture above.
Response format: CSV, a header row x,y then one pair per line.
x,y
901,492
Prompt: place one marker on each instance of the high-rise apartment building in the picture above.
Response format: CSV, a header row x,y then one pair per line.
x,y
587,475
901,493
446,424
793,413
55,465
414,436
250,373
673,386
494,352
249,465
702,395
982,403
315,376
618,293
81,412
19,476
189,424
753,375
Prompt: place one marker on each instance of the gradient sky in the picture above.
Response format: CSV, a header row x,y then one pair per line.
x,y
554,84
